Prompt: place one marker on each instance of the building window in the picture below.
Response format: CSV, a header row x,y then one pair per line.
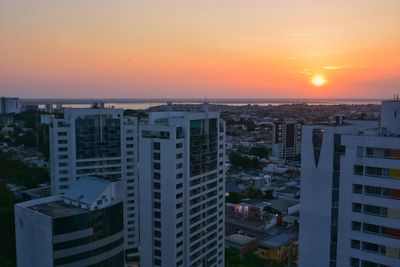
x,y
357,188
360,151
156,165
157,186
357,207
179,145
358,170
156,156
354,262
355,244
156,146
356,226
157,234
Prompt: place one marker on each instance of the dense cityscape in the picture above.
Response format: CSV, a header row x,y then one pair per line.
x,y
209,133
199,185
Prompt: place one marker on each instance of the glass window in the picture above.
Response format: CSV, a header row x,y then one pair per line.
x,y
156,146
357,207
357,188
360,151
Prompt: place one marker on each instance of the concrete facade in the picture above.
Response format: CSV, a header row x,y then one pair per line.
x,y
182,180
350,193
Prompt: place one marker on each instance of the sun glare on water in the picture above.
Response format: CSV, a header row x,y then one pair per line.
x,y
318,80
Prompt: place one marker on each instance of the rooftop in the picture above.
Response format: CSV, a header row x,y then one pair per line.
x,y
276,241
39,192
240,239
254,203
57,208
282,204
79,190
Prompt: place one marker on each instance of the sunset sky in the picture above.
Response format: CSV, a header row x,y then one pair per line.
x,y
200,48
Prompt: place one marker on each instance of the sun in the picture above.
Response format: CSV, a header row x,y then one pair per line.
x,y
318,80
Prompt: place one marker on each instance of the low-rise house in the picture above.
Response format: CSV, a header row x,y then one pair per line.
x,y
277,248
241,242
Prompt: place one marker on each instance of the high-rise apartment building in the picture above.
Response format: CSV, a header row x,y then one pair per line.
x,y
83,227
350,192
286,139
10,105
97,140
182,179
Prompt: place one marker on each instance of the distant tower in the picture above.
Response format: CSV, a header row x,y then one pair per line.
x,y
286,139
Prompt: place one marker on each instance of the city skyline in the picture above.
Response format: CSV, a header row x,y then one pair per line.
x,y
200,49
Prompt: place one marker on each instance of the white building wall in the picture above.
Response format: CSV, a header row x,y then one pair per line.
x,y
176,237
64,164
316,197
37,228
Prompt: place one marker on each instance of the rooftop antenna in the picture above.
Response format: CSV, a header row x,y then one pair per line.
x,y
205,105
169,106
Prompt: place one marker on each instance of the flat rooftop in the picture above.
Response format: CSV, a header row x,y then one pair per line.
x,y
282,204
39,192
276,241
254,203
240,239
57,209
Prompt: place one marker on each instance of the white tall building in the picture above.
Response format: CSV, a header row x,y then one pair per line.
x,y
286,139
350,192
182,179
97,141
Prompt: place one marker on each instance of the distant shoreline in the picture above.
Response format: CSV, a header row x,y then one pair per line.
x,y
243,101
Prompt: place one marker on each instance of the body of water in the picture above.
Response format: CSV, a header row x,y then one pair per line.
x,y
146,103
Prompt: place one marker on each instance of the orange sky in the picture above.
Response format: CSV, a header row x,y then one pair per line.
x,y
199,48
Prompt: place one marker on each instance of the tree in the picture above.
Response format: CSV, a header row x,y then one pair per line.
x,y
7,230
269,194
233,197
230,122
240,162
15,171
232,257
254,193
260,152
